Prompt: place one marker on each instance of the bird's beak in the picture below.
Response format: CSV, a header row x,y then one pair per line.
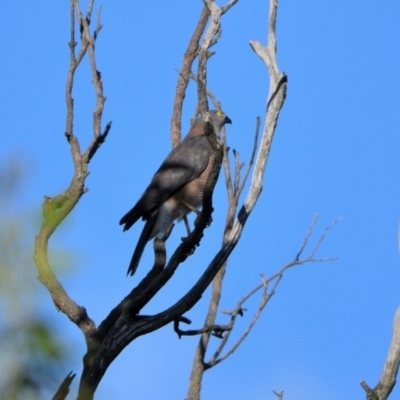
x,y
227,120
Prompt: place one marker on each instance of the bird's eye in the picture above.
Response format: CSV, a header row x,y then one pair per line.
x,y
220,113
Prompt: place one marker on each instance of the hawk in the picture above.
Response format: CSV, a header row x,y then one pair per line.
x,y
177,187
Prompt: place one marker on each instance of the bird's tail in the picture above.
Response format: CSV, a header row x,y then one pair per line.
x,y
131,217
145,236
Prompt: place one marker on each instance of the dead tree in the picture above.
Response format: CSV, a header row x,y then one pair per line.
x,y
125,322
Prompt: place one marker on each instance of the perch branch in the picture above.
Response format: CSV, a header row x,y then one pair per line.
x,y
128,326
123,324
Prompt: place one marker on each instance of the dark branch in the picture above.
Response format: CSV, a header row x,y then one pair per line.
x,y
96,143
215,330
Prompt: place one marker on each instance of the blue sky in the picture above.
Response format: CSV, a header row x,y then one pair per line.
x,y
335,153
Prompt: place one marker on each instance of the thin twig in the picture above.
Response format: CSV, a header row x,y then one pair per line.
x,y
227,168
279,395
266,296
321,239
210,94
307,237
72,42
238,168
216,330
89,11
96,75
252,157
225,8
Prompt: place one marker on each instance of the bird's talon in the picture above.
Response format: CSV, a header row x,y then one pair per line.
x,y
190,252
185,239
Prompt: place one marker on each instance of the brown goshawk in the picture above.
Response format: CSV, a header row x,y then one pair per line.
x,y
177,187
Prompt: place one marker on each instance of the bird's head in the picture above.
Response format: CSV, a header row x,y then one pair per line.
x,y
219,119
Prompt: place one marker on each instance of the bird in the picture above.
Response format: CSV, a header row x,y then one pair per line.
x,y
176,188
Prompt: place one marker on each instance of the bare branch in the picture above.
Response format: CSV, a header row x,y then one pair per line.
x,y
268,54
57,208
233,229
252,157
227,169
99,25
307,237
265,297
324,233
72,42
279,395
189,57
237,168
74,62
225,8
215,330
210,38
388,377
96,75
210,94
89,11
97,142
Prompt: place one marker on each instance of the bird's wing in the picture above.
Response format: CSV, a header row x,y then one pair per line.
x,y
183,164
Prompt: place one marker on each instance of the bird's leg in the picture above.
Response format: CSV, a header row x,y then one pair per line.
x,y
191,208
198,214
185,220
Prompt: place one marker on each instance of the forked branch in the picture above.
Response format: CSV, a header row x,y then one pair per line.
x,y
266,293
234,229
55,209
